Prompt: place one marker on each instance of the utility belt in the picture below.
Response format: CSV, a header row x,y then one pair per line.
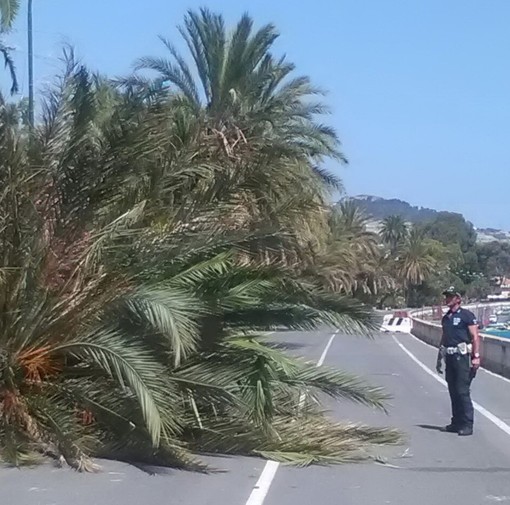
x,y
462,349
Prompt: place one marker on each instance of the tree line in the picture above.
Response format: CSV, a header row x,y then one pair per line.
x,y
413,263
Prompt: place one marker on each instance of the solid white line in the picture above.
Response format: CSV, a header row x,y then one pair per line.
x,y
489,415
488,372
259,492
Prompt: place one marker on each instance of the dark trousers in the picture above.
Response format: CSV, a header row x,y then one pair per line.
x,y
459,376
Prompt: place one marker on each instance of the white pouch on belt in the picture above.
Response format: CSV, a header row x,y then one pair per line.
x,y
464,348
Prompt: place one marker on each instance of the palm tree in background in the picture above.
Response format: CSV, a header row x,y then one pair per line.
x,y
415,262
242,89
394,231
348,222
351,261
8,12
251,111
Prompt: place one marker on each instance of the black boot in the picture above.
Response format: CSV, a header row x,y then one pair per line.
x,y
451,428
466,431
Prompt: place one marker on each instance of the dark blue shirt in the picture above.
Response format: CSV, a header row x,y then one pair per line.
x,y
456,327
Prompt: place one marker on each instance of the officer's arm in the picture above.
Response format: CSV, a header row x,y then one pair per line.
x,y
443,336
443,339
475,339
439,361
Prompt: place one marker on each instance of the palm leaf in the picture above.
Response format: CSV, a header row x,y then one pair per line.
x,y
9,64
173,314
331,382
131,366
9,10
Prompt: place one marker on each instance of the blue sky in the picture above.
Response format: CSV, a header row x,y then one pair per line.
x,y
420,90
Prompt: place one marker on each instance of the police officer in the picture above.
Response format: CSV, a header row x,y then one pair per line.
x,y
460,348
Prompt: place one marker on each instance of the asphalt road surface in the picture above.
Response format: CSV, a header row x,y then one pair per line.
x,y
432,467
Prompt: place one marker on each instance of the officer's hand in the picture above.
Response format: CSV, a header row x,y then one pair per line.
x,y
475,363
439,361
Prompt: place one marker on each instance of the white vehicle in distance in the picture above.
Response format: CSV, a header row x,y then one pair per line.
x,y
398,322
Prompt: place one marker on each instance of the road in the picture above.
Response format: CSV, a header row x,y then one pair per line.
x,y
431,467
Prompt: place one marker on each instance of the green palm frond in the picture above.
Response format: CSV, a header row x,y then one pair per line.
x,y
10,66
268,382
197,274
341,385
322,441
299,375
69,437
131,366
9,10
172,313
299,442
180,75
120,227
16,449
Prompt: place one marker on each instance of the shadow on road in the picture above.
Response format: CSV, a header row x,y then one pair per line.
x,y
432,427
287,346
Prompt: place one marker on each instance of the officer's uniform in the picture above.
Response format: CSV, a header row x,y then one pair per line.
x,y
459,374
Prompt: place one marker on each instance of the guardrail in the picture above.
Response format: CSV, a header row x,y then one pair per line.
x,y
495,350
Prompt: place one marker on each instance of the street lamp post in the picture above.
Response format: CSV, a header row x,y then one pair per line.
x,y
31,120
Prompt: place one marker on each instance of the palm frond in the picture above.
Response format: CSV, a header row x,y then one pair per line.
x,y
119,227
299,442
331,382
9,10
9,65
131,366
172,313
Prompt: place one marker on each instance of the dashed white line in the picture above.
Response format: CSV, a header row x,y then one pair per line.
x,y
259,492
486,413
326,349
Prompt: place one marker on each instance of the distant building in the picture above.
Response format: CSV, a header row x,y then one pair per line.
x,y
502,291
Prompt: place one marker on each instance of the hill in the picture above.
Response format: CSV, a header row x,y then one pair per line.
x,y
378,208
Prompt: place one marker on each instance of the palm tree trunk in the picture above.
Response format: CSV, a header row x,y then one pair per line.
x,y
30,67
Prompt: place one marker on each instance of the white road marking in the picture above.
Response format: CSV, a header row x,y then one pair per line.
x,y
259,492
326,349
489,415
488,372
